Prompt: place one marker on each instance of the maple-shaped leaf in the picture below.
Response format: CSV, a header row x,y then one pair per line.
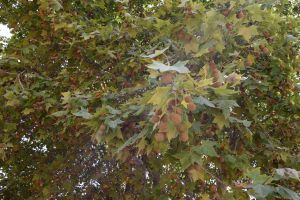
x,y
172,132
257,177
156,53
83,113
178,67
248,32
160,96
206,148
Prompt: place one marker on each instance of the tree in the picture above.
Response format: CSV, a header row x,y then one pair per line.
x,y
149,99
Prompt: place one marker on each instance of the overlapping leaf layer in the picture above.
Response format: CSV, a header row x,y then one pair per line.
x,y
140,99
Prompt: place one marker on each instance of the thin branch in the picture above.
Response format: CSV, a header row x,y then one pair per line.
x,y
18,77
219,180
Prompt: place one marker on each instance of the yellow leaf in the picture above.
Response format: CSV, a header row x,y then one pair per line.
x,y
250,58
66,97
160,96
192,46
204,82
204,71
141,145
248,32
201,52
220,121
196,174
184,103
27,111
205,197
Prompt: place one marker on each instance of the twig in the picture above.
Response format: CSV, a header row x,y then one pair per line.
x,y
18,76
219,180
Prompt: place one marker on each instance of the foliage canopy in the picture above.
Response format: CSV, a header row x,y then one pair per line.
x,y
140,99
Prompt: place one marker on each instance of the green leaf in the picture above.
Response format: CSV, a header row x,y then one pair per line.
x,y
12,99
205,48
131,140
56,5
172,132
225,104
185,159
9,127
60,113
203,101
113,123
113,111
246,123
156,53
206,148
183,3
257,178
287,193
262,191
288,173
27,111
83,113
222,91
255,11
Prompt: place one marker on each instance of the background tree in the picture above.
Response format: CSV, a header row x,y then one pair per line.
x,y
150,99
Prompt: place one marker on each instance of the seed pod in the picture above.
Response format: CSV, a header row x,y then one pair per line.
x,y
180,34
173,102
240,14
184,137
2,73
215,74
102,127
209,132
178,110
188,99
265,50
154,119
261,46
204,118
160,136
192,107
270,40
257,54
229,26
213,65
221,159
181,128
249,62
163,126
213,188
231,78
167,78
217,84
164,119
226,12
211,50
266,34
191,117
158,112
176,118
